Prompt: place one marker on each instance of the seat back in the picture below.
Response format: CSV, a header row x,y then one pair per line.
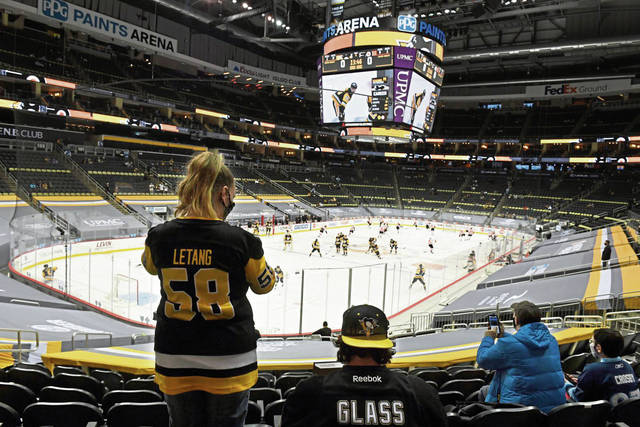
x,y
269,377
627,412
83,382
67,370
527,416
254,413
469,374
9,417
285,382
263,396
450,397
36,366
69,414
34,379
154,414
110,379
63,394
131,396
273,413
17,396
584,414
262,382
466,387
574,363
438,376
142,384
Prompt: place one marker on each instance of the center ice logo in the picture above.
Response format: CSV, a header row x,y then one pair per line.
x,y
56,9
407,23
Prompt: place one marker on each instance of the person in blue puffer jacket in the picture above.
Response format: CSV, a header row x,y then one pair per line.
x,y
527,363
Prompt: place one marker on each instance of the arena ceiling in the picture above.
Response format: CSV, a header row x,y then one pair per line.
x,y
488,40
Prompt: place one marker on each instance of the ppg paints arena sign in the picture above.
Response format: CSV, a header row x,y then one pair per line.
x,y
404,23
99,24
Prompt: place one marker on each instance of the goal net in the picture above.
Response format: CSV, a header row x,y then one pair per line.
x,y
125,287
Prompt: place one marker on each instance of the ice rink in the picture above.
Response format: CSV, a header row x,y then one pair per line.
x,y
108,273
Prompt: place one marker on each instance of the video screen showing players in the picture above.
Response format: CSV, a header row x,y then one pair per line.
x,y
357,97
421,97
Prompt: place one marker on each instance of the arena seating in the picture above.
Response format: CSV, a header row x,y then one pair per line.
x,y
457,386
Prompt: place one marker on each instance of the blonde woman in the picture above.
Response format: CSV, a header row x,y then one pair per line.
x,y
205,339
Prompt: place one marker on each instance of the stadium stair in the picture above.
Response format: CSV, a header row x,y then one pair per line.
x,y
248,192
284,190
151,173
456,195
396,187
84,177
23,194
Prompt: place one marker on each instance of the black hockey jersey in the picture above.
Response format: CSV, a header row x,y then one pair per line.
x,y
363,395
205,337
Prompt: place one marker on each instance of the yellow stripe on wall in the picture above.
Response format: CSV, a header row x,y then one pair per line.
x,y
594,276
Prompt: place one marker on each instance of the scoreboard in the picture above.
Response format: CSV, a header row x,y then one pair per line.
x,y
361,60
428,68
381,71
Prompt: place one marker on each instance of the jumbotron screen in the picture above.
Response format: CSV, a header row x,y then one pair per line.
x,y
371,75
385,84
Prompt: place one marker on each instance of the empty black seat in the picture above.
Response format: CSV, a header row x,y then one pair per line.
x,y
67,370
64,394
110,379
16,396
450,397
273,413
83,382
527,416
438,376
466,387
264,396
154,414
254,413
627,412
262,382
574,363
469,374
69,414
34,379
285,382
132,396
9,417
37,366
142,384
583,414
269,377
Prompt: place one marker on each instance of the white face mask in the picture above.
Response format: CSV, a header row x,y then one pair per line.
x,y
594,352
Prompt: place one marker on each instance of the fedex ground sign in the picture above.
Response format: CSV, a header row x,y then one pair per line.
x,y
579,89
102,25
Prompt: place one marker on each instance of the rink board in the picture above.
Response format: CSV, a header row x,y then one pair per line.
x,y
573,256
442,349
576,287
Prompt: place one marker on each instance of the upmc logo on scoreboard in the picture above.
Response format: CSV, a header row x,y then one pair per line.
x,y
407,23
56,9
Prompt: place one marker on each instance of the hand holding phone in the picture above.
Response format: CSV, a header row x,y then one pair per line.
x,y
495,325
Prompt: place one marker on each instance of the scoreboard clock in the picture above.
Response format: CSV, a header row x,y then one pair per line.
x,y
361,60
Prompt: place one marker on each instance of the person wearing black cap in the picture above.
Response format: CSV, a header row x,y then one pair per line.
x,y
364,391
606,254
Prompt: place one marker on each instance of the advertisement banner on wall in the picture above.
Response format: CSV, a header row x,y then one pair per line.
x,y
266,75
38,134
579,89
102,25
404,57
401,81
